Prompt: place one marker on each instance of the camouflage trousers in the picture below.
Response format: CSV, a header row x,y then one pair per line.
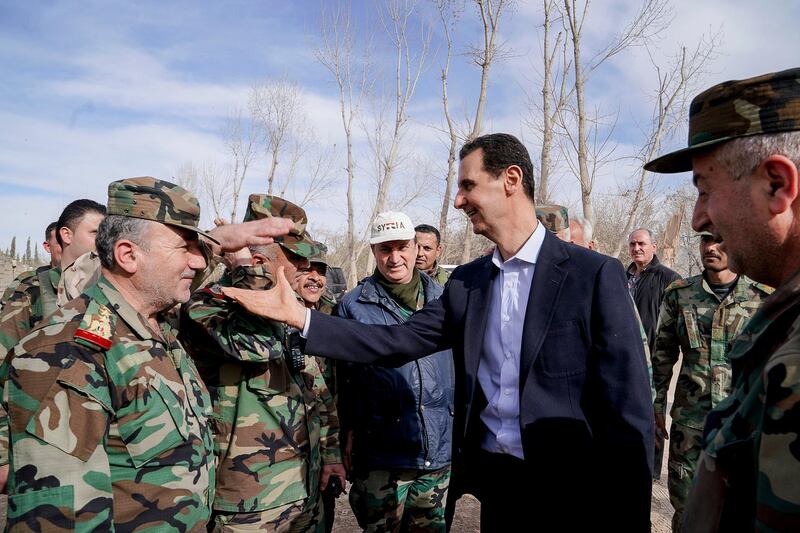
x,y
296,517
404,500
685,445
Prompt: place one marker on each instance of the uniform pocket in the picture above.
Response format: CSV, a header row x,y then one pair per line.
x,y
73,416
42,510
152,423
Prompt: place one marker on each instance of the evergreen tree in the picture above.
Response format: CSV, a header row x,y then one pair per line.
x,y
28,256
36,258
13,251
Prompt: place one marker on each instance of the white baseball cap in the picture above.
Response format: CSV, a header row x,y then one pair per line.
x,y
392,226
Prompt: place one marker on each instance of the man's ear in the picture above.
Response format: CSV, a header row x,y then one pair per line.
x,y
781,176
126,255
513,179
66,235
258,259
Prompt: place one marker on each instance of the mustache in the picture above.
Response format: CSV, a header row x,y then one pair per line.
x,y
312,284
716,256
190,274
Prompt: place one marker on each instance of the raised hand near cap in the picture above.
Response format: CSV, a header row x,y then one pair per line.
x,y
233,237
278,303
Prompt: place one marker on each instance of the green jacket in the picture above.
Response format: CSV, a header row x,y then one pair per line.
x,y
275,427
694,321
438,274
750,442
109,424
29,298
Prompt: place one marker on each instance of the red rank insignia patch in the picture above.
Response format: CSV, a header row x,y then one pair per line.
x,y
94,339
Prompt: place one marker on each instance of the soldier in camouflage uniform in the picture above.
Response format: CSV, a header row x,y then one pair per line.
x,y
699,317
109,417
277,429
312,289
35,296
744,151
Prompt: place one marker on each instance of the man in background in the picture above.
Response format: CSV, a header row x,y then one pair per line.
x,y
699,318
429,249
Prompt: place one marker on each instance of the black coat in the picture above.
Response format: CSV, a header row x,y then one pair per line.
x,y
649,293
586,416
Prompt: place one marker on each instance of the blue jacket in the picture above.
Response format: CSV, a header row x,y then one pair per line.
x,y
400,417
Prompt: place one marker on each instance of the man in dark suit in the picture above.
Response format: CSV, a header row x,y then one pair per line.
x,y
553,426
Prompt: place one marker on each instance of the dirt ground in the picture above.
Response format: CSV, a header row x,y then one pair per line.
x,y
468,512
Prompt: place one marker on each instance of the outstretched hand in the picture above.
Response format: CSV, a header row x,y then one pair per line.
x,y
233,237
278,303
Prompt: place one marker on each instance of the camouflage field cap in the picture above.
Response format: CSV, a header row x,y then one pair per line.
x,y
319,257
157,200
737,108
554,217
267,206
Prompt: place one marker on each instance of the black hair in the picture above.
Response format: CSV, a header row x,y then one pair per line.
x,y
50,227
500,151
427,228
74,213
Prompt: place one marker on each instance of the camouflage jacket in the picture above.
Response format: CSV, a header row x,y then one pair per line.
x,y
438,274
695,322
25,307
30,301
750,438
11,287
275,426
109,424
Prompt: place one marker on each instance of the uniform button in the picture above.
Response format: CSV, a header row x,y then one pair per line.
x,y
421,407
427,463
508,392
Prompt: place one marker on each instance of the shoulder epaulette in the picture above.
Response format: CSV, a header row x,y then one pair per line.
x,y
678,284
96,328
763,288
214,291
25,276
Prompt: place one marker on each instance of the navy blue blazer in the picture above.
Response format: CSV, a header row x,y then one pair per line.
x,y
586,413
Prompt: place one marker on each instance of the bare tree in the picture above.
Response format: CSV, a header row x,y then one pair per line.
x,y
484,56
278,108
386,127
449,12
318,176
241,136
674,85
550,108
649,20
337,53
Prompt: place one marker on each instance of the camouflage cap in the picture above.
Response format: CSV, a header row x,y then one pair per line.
x,y
298,240
737,108
157,200
319,257
554,217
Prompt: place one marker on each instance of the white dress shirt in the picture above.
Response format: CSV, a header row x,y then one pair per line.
x,y
498,371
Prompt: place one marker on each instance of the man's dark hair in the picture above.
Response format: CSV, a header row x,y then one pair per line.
x,y
50,227
426,228
500,151
74,212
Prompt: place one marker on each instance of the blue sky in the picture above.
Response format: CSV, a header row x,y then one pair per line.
x,y
95,91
